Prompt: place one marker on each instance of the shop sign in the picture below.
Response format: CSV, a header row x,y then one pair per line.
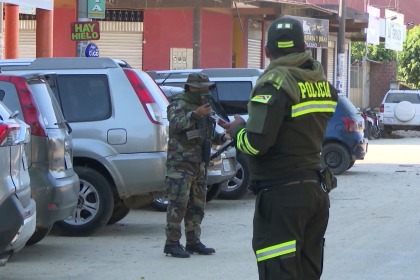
x,y
92,50
315,30
85,31
96,9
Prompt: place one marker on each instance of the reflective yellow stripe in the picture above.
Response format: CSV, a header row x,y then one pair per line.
x,y
243,144
278,83
313,107
282,45
276,250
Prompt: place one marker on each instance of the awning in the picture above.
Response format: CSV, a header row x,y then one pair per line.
x,y
41,4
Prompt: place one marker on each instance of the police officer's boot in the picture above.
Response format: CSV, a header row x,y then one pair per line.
x,y
176,250
199,248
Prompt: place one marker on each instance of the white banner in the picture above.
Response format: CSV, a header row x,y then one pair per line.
x,y
41,4
372,36
394,37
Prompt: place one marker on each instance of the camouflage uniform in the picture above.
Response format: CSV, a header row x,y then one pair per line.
x,y
185,182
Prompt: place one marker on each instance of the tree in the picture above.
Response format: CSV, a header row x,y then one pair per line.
x,y
376,53
409,59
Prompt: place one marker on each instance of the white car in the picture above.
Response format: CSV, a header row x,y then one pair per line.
x,y
400,110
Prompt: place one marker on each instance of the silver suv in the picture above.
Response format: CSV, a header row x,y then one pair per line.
x,y
54,183
119,137
17,208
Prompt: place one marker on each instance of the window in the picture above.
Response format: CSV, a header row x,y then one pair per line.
x,y
234,96
398,97
84,98
1,95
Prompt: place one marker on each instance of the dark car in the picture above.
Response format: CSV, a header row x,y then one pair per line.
x,y
344,142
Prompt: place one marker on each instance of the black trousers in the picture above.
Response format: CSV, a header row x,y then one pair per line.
x,y
289,226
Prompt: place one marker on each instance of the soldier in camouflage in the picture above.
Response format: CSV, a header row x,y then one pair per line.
x,y
185,182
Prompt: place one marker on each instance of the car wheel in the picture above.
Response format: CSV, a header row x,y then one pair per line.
x,y
120,211
213,191
39,234
160,204
238,185
351,164
336,157
94,207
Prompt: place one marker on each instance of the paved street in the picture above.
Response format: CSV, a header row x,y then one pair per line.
x,y
373,233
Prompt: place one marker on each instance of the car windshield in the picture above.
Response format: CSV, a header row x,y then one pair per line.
x,y
400,96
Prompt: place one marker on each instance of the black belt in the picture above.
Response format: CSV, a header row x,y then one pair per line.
x,y
297,177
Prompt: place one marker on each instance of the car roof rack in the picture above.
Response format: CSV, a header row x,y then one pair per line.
x,y
62,63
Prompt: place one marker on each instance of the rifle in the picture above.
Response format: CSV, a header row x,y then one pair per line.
x,y
206,128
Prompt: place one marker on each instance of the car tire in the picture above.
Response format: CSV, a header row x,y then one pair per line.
x,y
336,156
238,185
351,164
96,191
39,234
160,205
213,191
120,211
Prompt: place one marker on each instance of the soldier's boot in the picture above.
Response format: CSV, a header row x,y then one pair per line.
x,y
176,250
199,248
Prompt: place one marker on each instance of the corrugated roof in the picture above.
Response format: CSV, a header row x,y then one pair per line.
x,y
298,3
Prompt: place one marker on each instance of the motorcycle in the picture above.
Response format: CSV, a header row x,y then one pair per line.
x,y
372,130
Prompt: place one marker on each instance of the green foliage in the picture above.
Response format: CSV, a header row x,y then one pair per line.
x,y
376,53
409,59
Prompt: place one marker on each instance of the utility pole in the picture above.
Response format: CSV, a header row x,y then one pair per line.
x,y
197,36
341,47
82,15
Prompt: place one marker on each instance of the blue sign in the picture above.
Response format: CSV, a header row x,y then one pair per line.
x,y
92,50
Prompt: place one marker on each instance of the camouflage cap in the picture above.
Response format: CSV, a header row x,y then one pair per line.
x,y
199,80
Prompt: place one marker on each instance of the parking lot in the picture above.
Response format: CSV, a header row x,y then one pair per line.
x,y
372,233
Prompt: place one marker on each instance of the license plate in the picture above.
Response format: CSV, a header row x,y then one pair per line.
x,y
69,163
25,161
389,120
226,165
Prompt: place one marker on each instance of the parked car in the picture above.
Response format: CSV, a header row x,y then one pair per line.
x,y
54,183
232,92
17,208
344,141
400,110
119,138
220,169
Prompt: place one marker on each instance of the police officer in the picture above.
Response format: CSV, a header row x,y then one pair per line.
x,y
185,182
290,106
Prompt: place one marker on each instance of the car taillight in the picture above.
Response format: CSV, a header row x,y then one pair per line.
x,y
381,109
149,103
30,109
9,133
351,124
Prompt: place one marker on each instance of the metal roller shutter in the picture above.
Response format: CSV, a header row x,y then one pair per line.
x,y
122,40
331,62
27,39
254,54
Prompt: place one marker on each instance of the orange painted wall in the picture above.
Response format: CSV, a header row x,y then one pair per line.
x,y
63,45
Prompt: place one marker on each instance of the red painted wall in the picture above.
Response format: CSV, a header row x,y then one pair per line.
x,y
216,41
63,45
165,29
409,8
